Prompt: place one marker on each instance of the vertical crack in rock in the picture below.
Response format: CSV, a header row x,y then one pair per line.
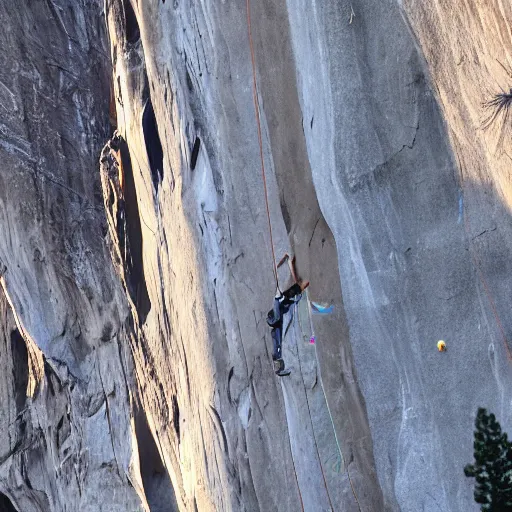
x,y
195,153
20,368
122,207
131,25
153,145
176,416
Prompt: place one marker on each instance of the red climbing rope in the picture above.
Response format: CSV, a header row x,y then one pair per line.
x,y
258,122
296,477
342,457
260,141
314,435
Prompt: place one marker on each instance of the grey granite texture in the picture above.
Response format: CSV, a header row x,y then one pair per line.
x,y
136,360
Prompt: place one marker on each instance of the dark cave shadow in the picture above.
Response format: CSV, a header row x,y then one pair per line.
x,y
153,144
6,505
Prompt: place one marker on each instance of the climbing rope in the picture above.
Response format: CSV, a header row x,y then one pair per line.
x,y
326,401
260,141
274,264
263,174
312,427
296,477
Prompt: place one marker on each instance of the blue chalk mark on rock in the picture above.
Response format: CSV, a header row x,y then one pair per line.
x,y
461,207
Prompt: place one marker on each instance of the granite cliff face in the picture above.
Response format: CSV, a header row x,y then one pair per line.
x,y
136,267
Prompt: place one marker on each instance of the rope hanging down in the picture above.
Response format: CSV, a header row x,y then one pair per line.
x,y
274,264
258,122
342,457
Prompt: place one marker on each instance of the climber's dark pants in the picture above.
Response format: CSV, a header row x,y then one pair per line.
x,y
275,317
277,340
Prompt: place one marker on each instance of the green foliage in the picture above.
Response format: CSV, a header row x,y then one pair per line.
x,y
492,468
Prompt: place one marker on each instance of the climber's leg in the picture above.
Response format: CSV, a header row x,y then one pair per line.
x,y
280,370
277,355
277,342
274,315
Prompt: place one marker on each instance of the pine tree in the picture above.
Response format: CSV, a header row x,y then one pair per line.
x,y
492,469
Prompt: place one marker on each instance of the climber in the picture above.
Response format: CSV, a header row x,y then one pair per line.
x,y
283,301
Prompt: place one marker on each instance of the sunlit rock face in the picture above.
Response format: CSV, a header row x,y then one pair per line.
x,y
136,259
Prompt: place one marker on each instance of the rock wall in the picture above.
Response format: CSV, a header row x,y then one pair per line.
x,y
136,279
66,434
